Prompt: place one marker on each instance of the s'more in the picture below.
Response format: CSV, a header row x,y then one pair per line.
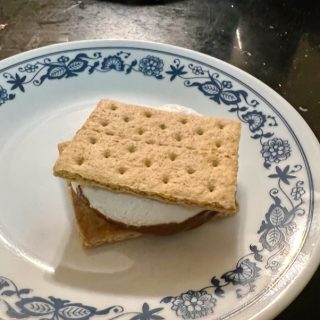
x,y
134,170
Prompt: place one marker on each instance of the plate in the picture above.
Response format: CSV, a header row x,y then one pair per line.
x,y
246,267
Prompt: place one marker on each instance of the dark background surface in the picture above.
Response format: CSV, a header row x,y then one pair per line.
x,y
278,42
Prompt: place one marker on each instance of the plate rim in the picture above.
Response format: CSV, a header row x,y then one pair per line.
x,y
302,278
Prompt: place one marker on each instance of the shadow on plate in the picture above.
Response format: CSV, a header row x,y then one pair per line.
x,y
150,265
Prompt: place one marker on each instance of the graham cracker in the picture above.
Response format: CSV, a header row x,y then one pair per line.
x,y
171,157
94,229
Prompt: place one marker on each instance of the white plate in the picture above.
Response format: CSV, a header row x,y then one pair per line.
x,y
248,266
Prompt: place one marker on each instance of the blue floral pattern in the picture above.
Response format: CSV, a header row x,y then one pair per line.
x,y
255,120
193,304
4,96
274,233
275,150
112,63
33,307
31,68
151,66
65,67
197,70
279,223
298,191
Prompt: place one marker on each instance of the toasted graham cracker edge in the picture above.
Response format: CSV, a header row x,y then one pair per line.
x,y
63,145
116,188
121,189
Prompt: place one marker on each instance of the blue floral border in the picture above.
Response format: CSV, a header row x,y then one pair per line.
x,y
275,230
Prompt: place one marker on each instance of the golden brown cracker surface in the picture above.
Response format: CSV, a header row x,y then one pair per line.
x,y
167,156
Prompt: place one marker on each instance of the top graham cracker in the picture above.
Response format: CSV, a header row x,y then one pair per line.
x,y
167,156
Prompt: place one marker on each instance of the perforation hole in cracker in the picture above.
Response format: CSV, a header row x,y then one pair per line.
x,y
141,131
147,163
93,140
113,107
172,156
183,120
122,170
79,161
178,136
106,154
200,131
104,123
215,162
147,114
132,148
162,126
165,179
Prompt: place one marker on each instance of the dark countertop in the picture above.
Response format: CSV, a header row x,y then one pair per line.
x,y
279,44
